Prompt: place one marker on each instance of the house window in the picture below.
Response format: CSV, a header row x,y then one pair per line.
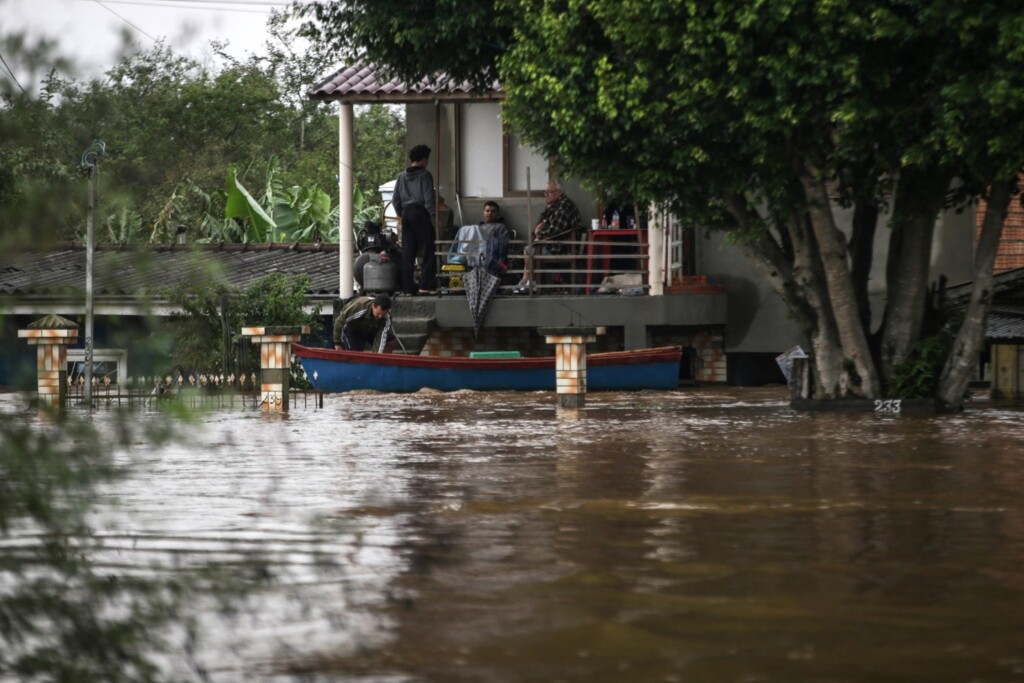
x,y
482,173
106,363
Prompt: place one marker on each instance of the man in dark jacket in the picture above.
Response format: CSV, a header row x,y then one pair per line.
x,y
364,321
414,201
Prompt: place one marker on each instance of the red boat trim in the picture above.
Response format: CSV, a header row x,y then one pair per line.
x,y
639,357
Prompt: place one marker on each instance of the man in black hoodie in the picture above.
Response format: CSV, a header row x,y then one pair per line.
x,y
413,199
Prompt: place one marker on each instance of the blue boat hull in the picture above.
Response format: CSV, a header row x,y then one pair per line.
x,y
338,371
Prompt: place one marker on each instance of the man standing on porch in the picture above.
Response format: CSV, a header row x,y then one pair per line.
x,y
413,199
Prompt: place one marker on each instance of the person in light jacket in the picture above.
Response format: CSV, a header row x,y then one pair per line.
x,y
414,201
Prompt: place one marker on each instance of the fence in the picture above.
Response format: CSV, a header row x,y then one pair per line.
x,y
580,270
218,392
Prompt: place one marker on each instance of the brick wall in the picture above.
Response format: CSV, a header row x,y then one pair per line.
x,y
707,357
1011,245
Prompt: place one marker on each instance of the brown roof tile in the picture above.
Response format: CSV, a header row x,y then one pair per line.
x,y
361,83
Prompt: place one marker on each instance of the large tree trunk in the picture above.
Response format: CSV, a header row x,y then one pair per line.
x,y
918,201
862,243
809,284
796,276
832,251
963,357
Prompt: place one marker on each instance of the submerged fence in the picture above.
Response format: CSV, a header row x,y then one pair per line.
x,y
200,391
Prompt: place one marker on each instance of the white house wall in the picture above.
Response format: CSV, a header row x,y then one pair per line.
x,y
518,211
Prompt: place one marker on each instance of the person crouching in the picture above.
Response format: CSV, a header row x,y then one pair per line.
x,y
364,323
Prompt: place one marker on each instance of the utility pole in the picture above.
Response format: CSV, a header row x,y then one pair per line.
x,y
90,164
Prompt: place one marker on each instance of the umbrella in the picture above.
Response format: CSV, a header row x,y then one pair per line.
x,y
480,289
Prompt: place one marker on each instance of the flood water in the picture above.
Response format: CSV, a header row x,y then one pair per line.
x,y
702,535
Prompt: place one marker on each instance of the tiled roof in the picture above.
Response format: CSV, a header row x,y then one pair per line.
x,y
129,271
361,83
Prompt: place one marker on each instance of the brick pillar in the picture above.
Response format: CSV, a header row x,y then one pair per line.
x,y
275,361
52,335
570,362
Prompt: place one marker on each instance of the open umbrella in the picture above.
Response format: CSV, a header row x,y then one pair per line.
x,y
480,289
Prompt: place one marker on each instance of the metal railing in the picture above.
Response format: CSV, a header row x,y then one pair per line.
x,y
578,271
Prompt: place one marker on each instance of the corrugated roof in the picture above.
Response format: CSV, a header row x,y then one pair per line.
x,y
1006,282
361,83
1006,323
130,271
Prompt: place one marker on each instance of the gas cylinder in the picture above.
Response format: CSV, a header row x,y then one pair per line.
x,y
380,275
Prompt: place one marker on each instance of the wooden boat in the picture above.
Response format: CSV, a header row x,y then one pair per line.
x,y
331,370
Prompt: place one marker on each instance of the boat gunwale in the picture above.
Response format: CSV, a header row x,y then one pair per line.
x,y
607,358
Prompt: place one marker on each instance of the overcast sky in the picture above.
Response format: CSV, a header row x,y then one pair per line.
x,y
90,30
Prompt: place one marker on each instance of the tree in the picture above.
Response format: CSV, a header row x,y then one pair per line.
x,y
173,129
378,146
762,119
461,39
206,334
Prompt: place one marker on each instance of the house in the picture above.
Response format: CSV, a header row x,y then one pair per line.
x,y
477,158
128,304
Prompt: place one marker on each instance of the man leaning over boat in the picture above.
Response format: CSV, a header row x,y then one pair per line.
x,y
364,324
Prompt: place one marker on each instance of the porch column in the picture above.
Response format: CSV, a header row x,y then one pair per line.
x,y
275,362
570,362
656,251
346,239
52,334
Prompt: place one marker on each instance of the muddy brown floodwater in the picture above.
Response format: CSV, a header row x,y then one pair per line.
x,y
701,535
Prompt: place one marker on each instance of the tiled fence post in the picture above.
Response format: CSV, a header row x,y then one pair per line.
x,y
275,361
570,362
52,334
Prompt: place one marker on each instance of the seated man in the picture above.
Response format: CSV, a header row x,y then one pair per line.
x,y
560,221
364,322
471,240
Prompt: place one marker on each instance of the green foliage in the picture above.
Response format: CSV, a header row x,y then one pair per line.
x,y
173,128
460,38
918,376
63,617
378,147
207,335
256,225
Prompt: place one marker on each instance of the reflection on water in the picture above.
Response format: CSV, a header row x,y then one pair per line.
x,y
699,535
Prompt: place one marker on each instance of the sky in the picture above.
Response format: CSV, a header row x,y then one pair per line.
x,y
90,31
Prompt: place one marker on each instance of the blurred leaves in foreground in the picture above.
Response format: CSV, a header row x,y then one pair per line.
x,y
65,613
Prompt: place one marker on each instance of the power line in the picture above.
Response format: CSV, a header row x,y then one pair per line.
x,y
13,77
192,7
267,3
126,21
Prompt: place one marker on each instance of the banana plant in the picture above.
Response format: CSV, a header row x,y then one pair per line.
x,y
257,225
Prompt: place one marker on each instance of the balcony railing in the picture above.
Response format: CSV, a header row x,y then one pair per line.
x,y
579,271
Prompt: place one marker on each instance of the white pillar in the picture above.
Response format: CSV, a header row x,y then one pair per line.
x,y
656,251
346,240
